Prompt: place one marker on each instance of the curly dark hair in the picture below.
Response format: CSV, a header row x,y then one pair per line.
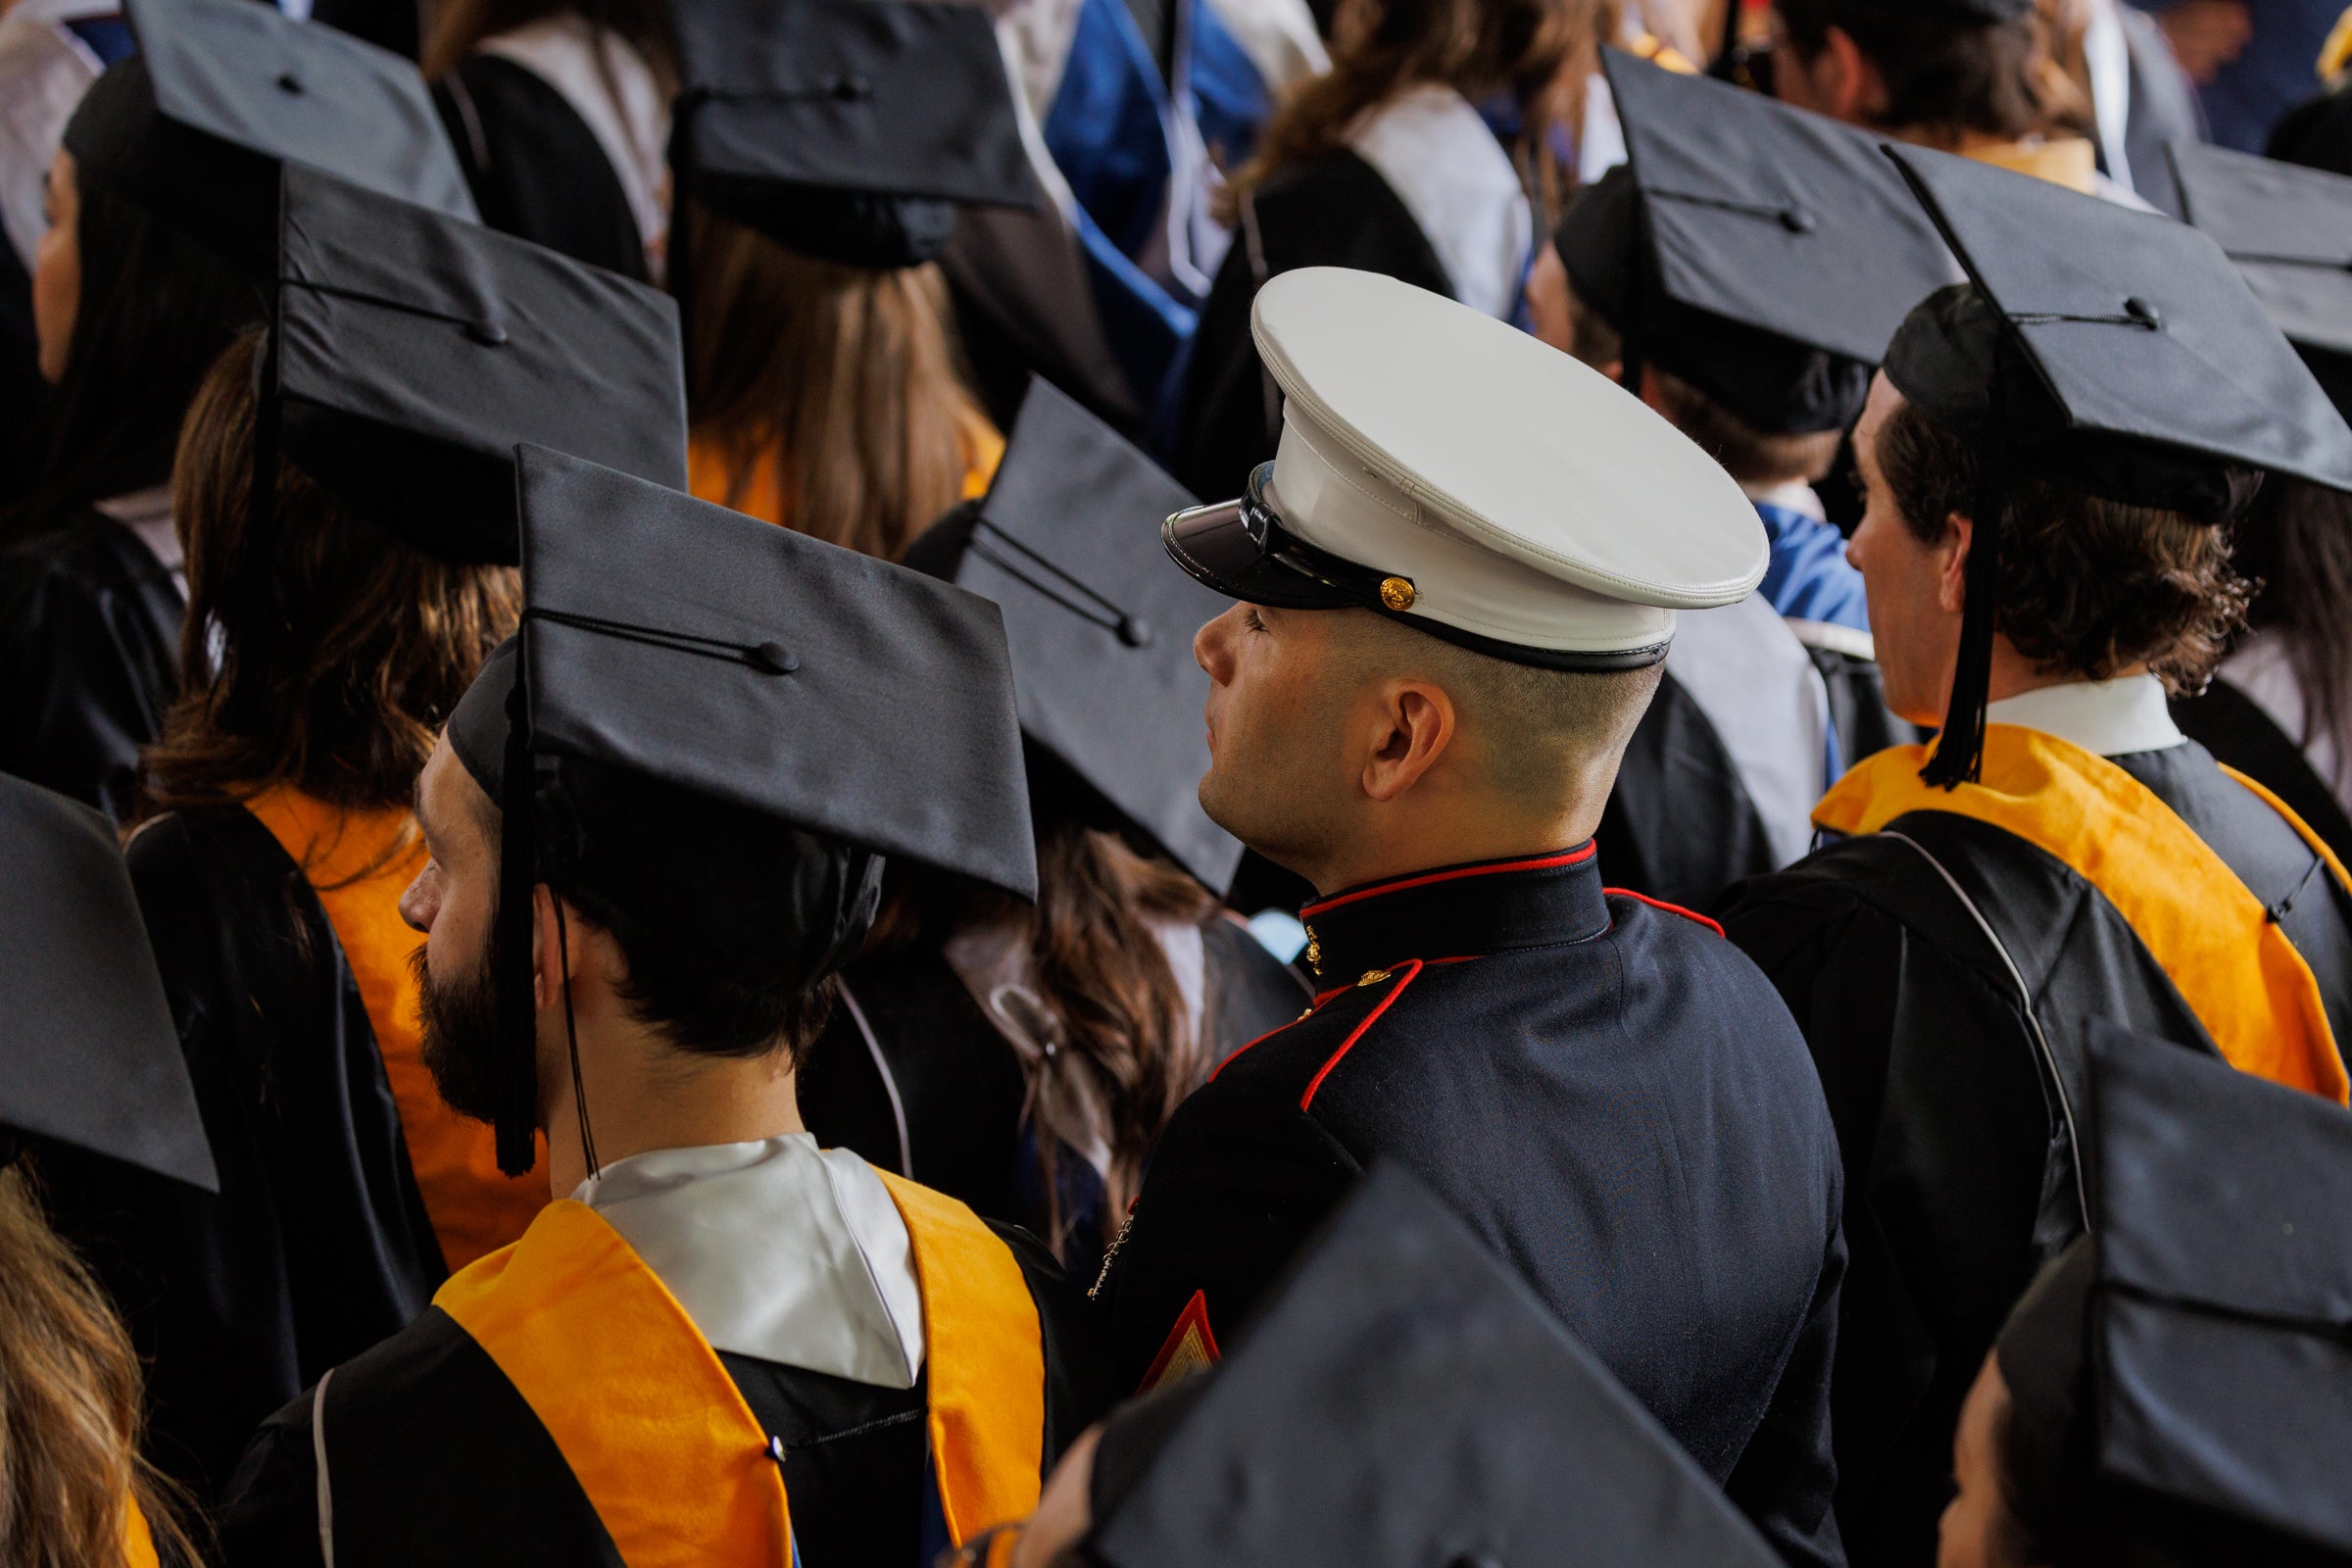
x,y
2087,587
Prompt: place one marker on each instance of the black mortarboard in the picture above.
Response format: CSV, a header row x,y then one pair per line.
x,y
1405,1400
2197,1351
93,1056
2096,347
674,641
2290,230
413,351
1760,253
846,129
1067,544
222,92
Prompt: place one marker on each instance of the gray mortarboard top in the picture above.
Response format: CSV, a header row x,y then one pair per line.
x,y
846,129
1763,254
679,643
91,1055
1067,544
2197,1348
222,92
415,351
2107,350
2290,230
1449,471
1405,1401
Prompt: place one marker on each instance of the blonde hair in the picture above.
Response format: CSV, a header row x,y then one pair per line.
x,y
69,1418
847,377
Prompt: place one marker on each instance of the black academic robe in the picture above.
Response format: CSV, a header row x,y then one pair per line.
x,y
1679,823
89,658
1952,1103
2233,726
317,1243
535,168
436,1453
960,1088
1331,209
1605,1090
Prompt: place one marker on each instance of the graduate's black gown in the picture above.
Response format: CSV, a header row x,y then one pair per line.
x,y
1679,824
1959,1166
2233,726
1608,1093
1331,209
89,658
535,168
318,1245
960,1086
437,1458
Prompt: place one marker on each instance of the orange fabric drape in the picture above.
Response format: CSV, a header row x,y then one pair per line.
x,y
138,1542
2069,161
2232,965
656,1431
358,863
710,473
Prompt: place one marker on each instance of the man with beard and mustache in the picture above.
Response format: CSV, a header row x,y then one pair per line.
x,y
656,829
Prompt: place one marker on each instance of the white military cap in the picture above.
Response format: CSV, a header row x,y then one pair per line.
x,y
1447,471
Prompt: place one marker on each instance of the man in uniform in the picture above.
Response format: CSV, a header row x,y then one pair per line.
x,y
2052,454
1457,583
657,825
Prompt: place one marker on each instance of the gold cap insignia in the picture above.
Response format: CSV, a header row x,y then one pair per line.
x,y
1397,593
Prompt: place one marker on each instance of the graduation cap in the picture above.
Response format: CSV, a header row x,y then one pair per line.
x,y
1763,254
1405,1401
846,129
2197,1350
1067,544
92,1056
223,92
749,666
2098,348
2290,230
413,351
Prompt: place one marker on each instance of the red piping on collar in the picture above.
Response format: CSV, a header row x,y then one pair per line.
x,y
1404,977
1715,926
1543,863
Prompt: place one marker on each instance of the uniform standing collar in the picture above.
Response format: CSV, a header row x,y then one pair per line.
x,y
1456,912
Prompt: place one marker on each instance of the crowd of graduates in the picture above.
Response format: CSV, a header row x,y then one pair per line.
x,y
1150,782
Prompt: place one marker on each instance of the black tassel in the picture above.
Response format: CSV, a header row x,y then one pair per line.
x,y
1960,748
517,1016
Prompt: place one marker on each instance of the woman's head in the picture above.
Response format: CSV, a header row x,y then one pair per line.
x,y
1940,71
322,652
461,25
129,310
847,377
1534,54
69,1465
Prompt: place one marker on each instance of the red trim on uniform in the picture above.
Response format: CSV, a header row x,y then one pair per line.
x,y
1404,978
1192,1321
1495,869
1715,926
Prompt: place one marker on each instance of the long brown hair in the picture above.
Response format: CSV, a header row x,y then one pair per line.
x,y
849,376
1538,52
69,1408
321,651
459,27
1124,1050
2298,542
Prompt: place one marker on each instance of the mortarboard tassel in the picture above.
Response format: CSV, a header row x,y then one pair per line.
x,y
511,946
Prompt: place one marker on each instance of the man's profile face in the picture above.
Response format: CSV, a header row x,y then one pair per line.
x,y
1917,636
454,901
1277,777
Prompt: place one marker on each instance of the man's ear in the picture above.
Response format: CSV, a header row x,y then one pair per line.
x,y
1416,724
1952,564
546,954
1855,89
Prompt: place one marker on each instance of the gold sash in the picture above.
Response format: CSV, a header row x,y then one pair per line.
x,y
2232,963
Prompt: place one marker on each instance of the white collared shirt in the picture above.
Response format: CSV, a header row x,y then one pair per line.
x,y
2105,718
776,1250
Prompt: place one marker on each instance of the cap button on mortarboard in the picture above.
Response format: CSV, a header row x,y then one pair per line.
x,y
773,657
2145,313
287,81
849,89
1135,633
487,333
1797,221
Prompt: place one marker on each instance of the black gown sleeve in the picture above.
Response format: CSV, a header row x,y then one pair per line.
x,y
89,632
1241,1180
1945,1132
270,1514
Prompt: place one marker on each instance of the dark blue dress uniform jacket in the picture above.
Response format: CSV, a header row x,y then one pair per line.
x,y
1609,1092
